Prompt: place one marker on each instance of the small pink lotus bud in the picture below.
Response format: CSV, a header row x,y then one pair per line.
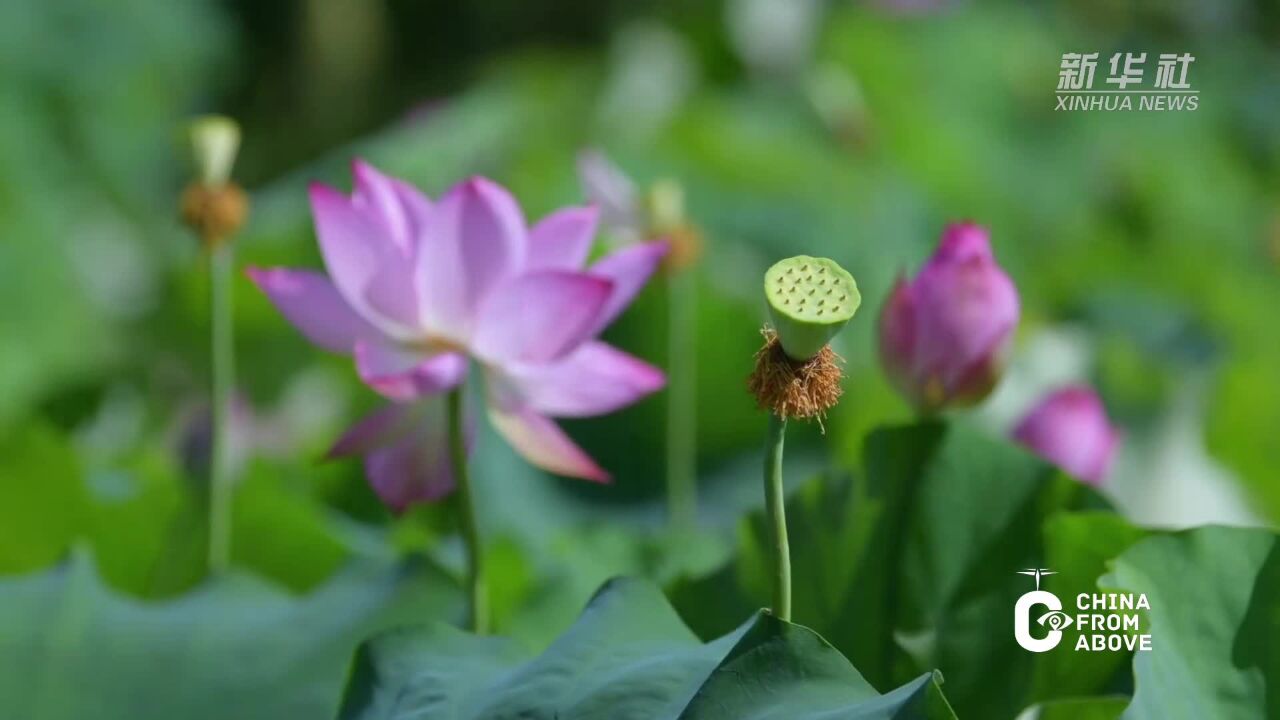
x,y
1069,428
944,334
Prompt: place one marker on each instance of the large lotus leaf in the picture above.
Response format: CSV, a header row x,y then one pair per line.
x,y
628,657
71,648
1214,624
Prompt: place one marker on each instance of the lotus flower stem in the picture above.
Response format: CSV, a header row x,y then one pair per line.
x,y
776,506
797,374
477,589
214,207
682,408
223,362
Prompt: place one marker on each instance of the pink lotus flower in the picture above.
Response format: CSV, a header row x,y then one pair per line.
x,y
944,334
416,289
1070,429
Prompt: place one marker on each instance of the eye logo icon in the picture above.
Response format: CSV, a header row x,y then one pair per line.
x,y
1054,619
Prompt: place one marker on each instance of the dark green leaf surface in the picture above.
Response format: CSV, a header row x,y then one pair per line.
x,y
72,649
962,514
1099,708
629,657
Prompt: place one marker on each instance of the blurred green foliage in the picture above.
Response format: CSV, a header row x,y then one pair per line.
x,y
235,648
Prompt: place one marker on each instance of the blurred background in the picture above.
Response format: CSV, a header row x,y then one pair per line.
x,y
1145,247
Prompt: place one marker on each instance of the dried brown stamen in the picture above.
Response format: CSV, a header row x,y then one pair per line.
x,y
685,242
795,389
215,213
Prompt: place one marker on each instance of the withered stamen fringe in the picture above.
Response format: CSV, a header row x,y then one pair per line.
x,y
791,389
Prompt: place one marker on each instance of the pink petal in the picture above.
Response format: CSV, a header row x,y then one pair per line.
x,y
543,443
897,337
476,241
607,187
352,245
593,380
357,250
629,269
374,430
406,452
410,472
967,312
397,205
312,304
403,374
562,240
978,380
963,241
540,317
392,294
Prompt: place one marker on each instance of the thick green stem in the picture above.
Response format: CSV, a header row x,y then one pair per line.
x,y
477,591
682,408
223,351
775,504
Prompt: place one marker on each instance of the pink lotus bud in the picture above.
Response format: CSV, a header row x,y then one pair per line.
x,y
1069,428
944,334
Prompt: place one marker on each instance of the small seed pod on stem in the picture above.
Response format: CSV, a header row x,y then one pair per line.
x,y
664,208
658,213
797,374
214,208
665,215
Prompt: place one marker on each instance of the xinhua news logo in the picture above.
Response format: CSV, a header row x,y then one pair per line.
x,y
1103,622
1124,87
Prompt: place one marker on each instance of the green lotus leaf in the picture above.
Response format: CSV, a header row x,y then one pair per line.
x,y
628,657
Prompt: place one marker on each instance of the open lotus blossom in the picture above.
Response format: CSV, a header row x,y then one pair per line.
x,y
945,333
418,290
1069,428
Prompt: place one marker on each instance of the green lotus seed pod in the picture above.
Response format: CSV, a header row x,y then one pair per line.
x,y
810,300
215,140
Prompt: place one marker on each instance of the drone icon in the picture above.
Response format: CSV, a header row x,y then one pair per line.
x,y
1037,573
